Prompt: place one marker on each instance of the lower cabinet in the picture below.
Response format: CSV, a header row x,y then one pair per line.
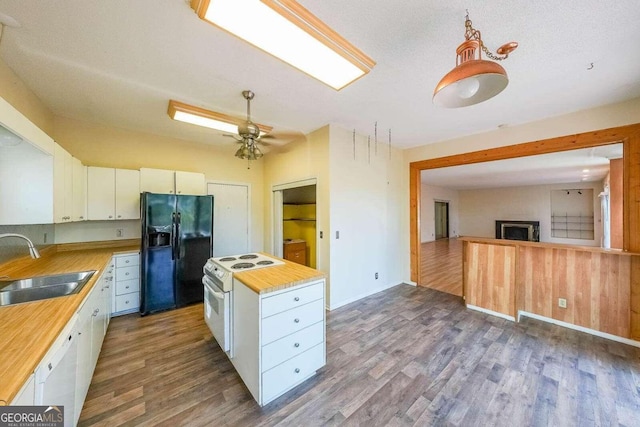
x,y
289,345
126,291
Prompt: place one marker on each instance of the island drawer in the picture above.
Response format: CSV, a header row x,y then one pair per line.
x,y
285,348
128,301
127,273
290,321
127,260
287,374
287,300
127,286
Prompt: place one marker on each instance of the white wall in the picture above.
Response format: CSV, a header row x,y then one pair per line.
x,y
623,113
297,161
366,198
92,231
479,210
429,194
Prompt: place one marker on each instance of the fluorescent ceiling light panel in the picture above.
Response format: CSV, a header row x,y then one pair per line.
x,y
207,118
291,33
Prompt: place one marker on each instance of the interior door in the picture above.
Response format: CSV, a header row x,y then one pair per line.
x,y
442,220
231,218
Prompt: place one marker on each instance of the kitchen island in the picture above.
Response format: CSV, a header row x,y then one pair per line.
x,y
278,328
30,329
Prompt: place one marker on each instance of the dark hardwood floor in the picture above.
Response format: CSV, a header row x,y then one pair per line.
x,y
441,265
405,356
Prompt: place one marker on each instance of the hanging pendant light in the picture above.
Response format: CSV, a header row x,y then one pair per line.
x,y
474,79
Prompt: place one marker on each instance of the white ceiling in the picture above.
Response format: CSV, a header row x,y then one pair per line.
x,y
118,62
553,168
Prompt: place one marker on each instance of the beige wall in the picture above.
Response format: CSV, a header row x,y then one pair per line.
x,y
14,91
613,115
297,161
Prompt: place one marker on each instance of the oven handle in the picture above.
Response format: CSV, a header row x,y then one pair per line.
x,y
210,286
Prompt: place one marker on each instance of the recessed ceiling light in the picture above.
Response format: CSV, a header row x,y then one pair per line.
x,y
288,31
585,170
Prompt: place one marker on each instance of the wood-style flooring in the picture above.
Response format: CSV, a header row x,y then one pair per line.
x,y
405,356
441,265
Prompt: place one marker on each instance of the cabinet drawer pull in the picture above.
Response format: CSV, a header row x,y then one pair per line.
x,y
110,216
126,262
296,345
297,370
296,320
126,274
296,299
126,287
126,302
119,216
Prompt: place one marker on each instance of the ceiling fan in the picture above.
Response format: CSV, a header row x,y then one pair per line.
x,y
250,134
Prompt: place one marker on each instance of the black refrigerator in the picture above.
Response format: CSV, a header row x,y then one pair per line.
x,y
177,239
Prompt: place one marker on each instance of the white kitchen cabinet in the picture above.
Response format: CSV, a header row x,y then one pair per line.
x,y
127,194
79,193
112,193
158,181
93,319
191,183
126,291
163,181
62,185
26,395
279,337
26,185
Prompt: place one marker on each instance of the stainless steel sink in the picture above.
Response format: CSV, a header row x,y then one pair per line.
x,y
42,287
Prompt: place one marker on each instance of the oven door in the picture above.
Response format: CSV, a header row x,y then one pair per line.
x,y
217,308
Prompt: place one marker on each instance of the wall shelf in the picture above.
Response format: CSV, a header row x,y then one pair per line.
x,y
572,226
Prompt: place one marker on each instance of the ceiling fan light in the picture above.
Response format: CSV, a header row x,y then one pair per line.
x,y
288,31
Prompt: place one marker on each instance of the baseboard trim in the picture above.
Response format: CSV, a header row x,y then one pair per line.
x,y
491,312
579,328
364,295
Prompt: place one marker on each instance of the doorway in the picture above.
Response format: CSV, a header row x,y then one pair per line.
x,y
295,215
442,220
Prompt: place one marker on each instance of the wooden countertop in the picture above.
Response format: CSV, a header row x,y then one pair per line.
x,y
28,330
506,242
271,279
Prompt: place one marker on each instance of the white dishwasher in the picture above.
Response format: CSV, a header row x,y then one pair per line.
x,y
55,376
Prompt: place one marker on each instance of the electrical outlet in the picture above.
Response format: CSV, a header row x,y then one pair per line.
x,y
119,232
562,302
44,240
337,234
321,234
376,276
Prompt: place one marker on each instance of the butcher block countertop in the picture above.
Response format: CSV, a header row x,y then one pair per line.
x,y
271,279
28,330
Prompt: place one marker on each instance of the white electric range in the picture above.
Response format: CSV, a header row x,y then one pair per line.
x,y
218,292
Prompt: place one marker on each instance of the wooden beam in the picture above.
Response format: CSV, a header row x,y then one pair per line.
x,y
630,137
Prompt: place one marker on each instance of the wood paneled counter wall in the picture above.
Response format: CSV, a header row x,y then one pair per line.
x,y
507,276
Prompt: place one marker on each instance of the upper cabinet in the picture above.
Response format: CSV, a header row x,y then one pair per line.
x,y
113,193
79,175
62,185
26,171
172,182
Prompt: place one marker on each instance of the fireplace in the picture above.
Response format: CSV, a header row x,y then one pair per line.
x,y
518,230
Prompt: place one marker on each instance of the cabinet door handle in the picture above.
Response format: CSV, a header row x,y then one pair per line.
x,y
119,216
297,370
296,299
110,216
296,345
296,320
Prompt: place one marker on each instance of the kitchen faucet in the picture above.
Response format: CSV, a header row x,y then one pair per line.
x,y
32,249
